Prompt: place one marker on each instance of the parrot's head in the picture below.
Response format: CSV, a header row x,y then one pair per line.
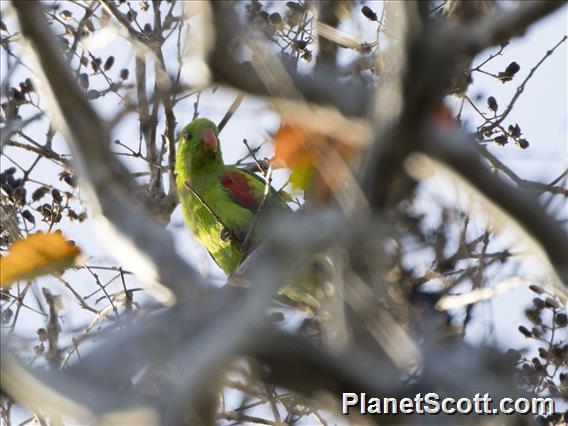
x,y
198,146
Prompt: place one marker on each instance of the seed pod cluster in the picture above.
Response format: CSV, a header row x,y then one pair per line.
x,y
12,186
549,319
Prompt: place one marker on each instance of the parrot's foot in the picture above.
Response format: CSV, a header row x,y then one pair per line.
x,y
225,235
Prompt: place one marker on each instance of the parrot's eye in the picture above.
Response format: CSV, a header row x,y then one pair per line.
x,y
187,135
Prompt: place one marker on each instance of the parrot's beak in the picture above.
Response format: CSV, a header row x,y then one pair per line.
x,y
210,141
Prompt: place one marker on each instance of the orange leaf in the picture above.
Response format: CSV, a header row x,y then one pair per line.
x,y
290,146
37,254
317,160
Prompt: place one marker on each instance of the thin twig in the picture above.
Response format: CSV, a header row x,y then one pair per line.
x,y
234,106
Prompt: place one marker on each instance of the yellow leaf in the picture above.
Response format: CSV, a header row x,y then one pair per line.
x,y
301,176
37,254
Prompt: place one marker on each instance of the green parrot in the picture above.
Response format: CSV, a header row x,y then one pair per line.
x,y
219,202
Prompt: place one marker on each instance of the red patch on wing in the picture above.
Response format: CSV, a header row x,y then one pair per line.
x,y
238,186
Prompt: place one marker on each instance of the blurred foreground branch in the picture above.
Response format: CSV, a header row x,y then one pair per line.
x,y
324,89
457,151
383,177
485,32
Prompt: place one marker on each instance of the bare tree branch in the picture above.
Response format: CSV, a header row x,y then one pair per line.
x,y
485,32
520,90
123,20
435,50
516,179
57,394
142,243
402,138
457,151
232,109
325,89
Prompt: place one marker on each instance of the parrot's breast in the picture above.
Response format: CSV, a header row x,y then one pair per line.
x,y
214,218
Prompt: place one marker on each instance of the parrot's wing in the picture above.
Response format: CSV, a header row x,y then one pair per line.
x,y
241,188
247,189
237,234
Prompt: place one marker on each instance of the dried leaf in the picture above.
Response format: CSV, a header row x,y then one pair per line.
x,y
289,147
38,254
318,161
